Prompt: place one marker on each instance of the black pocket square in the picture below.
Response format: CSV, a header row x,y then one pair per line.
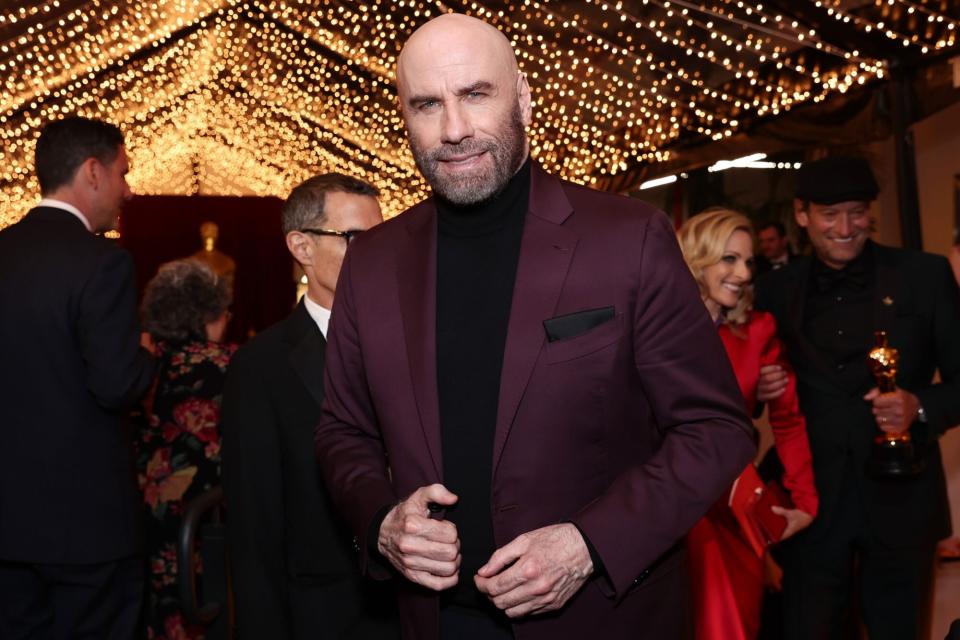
x,y
574,324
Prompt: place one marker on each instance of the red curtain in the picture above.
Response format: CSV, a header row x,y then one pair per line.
x,y
156,229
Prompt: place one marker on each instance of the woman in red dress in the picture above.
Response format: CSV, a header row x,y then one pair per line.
x,y
726,567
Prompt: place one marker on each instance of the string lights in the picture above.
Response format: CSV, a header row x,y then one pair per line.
x,y
250,97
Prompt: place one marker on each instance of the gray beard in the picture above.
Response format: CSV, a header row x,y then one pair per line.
x,y
507,154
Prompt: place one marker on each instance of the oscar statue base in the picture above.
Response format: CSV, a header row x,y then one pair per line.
x,y
893,459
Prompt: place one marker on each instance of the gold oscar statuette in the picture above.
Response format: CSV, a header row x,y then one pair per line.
x,y
221,264
893,454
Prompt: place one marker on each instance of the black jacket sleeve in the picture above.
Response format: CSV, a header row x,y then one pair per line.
x,y
118,370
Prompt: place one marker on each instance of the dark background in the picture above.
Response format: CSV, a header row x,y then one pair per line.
x,y
157,229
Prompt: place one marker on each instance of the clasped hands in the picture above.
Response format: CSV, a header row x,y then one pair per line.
x,y
536,572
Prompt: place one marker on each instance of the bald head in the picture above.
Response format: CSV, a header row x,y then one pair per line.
x,y
465,105
454,39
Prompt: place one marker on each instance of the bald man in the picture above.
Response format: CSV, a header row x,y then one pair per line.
x,y
533,359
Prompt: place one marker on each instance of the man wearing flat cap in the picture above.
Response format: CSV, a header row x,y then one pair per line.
x,y
875,536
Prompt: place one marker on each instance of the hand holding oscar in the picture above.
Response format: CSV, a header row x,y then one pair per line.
x,y
893,454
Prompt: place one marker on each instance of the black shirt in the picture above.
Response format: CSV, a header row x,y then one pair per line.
x,y
477,253
839,317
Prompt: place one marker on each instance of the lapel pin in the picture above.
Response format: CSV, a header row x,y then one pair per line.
x,y
888,301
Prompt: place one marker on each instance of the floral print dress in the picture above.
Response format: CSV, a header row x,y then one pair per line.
x,y
178,459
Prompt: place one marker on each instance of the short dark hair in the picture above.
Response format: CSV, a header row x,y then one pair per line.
x,y
774,224
305,204
181,299
66,144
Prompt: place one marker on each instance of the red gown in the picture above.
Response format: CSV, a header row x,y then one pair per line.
x,y
726,573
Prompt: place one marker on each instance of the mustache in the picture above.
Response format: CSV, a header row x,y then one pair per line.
x,y
469,146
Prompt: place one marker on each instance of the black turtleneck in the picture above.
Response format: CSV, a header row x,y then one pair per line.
x,y
477,252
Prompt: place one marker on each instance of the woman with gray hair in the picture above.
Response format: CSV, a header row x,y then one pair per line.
x,y
186,301
185,311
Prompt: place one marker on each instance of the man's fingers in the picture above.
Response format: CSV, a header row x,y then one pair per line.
x,y
437,583
872,394
773,374
525,608
535,590
772,383
433,530
503,557
887,401
502,583
436,493
442,569
414,545
887,410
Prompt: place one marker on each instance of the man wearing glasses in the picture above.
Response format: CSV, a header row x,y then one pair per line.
x,y
293,566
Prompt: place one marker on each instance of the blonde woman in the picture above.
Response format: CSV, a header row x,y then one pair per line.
x,y
726,570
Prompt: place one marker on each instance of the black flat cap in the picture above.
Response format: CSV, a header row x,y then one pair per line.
x,y
836,179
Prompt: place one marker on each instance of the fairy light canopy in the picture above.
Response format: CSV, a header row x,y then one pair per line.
x,y
233,97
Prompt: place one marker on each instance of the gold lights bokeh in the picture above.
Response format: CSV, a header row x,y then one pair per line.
x,y
232,97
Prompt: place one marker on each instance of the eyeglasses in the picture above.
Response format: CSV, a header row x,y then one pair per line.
x,y
347,235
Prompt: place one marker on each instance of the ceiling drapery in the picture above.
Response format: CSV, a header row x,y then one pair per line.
x,y
252,96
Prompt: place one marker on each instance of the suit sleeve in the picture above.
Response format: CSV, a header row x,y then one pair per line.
x,y
118,370
705,436
347,440
941,401
252,486
788,424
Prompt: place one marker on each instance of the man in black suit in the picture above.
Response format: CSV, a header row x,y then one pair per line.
x,y
293,562
774,246
874,536
70,364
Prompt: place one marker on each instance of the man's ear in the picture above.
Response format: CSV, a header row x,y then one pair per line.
x,y
800,213
89,174
300,247
523,95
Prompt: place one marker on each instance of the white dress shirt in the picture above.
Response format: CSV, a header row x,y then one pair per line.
x,y
319,314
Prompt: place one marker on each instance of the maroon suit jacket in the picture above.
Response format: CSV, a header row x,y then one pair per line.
x,y
630,430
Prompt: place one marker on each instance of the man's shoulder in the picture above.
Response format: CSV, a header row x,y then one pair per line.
x,y
606,204
55,224
615,221
911,259
57,239
267,346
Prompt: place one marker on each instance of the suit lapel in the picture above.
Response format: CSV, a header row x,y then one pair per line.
x,y
307,348
546,251
417,285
